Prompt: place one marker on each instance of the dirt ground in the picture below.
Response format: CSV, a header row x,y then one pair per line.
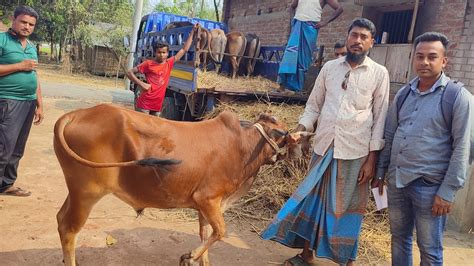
x,y
28,234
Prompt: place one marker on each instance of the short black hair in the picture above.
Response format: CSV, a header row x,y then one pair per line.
x,y
432,36
363,23
339,44
159,45
25,10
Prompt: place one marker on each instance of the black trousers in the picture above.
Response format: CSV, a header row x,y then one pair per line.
x,y
16,118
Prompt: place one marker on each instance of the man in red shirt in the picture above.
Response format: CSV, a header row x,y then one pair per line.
x,y
157,72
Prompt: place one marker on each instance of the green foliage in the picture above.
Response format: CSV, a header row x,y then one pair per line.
x,y
75,21
190,8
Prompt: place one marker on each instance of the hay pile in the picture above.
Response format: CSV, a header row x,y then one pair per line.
x,y
210,79
275,184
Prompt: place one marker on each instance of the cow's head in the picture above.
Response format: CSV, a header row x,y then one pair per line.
x,y
282,142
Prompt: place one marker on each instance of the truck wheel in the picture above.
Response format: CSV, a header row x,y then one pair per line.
x,y
170,110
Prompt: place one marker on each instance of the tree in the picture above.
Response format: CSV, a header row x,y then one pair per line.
x,y
190,8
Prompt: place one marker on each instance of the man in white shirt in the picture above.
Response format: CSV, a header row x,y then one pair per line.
x,y
349,102
302,41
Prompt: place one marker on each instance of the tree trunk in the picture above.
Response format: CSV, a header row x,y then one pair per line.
x,y
193,11
202,8
216,8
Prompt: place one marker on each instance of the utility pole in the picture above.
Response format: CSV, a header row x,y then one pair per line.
x,y
137,16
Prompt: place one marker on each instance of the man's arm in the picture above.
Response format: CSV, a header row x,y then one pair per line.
x,y
131,75
39,115
337,12
25,65
379,111
458,164
187,44
315,103
294,4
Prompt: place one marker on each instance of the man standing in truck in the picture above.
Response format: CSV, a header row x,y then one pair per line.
x,y
302,41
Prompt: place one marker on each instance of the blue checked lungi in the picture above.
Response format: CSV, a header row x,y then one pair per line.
x,y
298,54
326,210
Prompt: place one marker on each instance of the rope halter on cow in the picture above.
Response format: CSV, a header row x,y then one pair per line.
x,y
278,150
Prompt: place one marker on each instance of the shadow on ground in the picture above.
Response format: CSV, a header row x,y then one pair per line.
x,y
140,246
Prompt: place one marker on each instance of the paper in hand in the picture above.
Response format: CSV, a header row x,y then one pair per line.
x,y
380,200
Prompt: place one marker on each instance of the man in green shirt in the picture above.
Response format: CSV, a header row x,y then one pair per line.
x,y
20,96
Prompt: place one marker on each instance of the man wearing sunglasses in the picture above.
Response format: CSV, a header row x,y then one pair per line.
x,y
20,96
349,102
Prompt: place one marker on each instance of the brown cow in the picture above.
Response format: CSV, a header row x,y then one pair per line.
x,y
236,44
202,42
201,165
252,51
217,47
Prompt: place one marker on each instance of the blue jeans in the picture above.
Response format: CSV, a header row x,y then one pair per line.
x,y
408,208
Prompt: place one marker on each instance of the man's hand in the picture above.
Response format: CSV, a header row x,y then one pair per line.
x,y
440,206
367,171
39,115
28,65
320,25
376,182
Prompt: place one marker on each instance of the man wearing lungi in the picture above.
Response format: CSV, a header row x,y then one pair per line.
x,y
302,41
349,102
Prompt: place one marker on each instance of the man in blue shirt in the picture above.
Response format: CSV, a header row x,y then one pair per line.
x,y
425,158
20,96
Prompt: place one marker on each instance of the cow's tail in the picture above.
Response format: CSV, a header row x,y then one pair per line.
x,y
220,47
242,49
59,132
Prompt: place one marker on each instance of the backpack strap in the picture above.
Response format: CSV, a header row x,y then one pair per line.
x,y
450,93
404,92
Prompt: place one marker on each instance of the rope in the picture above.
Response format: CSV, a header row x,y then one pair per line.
x,y
268,139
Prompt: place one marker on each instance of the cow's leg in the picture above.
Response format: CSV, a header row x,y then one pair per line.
x,y
211,210
204,61
203,233
235,66
71,217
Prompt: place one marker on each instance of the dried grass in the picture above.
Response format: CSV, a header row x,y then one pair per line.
x,y
275,184
210,79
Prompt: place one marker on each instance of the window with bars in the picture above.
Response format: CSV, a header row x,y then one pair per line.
x,y
396,24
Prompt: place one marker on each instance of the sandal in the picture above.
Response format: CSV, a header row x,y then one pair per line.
x,y
297,260
15,191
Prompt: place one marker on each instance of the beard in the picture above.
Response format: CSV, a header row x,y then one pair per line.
x,y
356,58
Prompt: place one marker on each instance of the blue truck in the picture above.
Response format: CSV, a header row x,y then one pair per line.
x,y
184,100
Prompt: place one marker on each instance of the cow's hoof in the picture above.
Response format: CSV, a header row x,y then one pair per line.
x,y
187,260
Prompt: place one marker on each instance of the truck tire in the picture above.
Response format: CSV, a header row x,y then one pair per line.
x,y
170,110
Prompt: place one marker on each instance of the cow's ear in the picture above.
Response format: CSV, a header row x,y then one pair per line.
x,y
278,133
268,118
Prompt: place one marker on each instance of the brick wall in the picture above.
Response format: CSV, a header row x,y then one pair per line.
x,y
461,54
273,22
269,19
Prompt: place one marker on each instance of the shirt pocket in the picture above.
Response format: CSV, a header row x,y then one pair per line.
x,y
362,99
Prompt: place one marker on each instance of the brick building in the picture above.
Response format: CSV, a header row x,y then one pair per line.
x,y
270,19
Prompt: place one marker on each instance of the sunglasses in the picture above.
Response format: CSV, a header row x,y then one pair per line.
x,y
346,80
